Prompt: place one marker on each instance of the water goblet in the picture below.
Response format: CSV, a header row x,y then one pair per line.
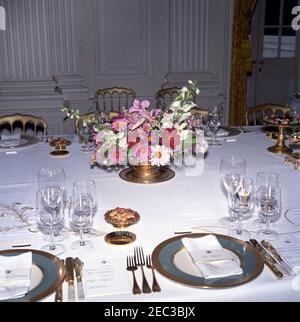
x,y
81,217
50,207
241,202
88,187
269,203
231,168
85,134
265,179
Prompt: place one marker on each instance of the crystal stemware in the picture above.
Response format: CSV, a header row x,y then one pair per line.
x,y
241,202
269,203
214,122
265,179
50,207
231,168
85,134
81,217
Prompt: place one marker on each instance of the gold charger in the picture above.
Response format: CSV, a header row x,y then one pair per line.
x,y
170,261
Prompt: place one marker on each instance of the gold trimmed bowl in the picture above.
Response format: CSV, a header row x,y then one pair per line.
x,y
122,217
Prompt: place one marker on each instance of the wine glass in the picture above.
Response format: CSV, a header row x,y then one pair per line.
x,y
241,202
269,203
53,177
214,122
85,134
265,179
81,217
231,168
50,207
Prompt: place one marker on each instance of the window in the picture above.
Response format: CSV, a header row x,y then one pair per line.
x,y
279,36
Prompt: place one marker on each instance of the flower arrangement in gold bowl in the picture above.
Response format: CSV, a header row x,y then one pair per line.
x,y
146,139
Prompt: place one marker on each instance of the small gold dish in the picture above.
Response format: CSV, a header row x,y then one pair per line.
x,y
120,238
60,143
122,217
59,153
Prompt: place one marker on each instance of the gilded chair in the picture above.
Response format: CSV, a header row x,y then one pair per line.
x,y
256,115
24,121
114,99
165,96
199,111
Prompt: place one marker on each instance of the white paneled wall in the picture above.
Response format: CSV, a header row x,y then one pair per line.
x,y
141,44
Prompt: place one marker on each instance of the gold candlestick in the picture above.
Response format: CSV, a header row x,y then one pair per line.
x,y
280,147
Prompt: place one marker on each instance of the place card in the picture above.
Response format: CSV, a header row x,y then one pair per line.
x,y
106,277
289,248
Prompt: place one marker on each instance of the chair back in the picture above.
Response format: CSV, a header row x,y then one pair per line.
x,y
24,121
114,99
256,115
164,97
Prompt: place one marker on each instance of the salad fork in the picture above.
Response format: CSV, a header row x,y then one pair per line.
x,y
131,267
140,261
155,285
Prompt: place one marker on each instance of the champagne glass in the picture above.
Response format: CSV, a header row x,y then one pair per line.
x,y
81,217
231,168
214,122
269,203
50,206
53,177
87,187
241,202
265,179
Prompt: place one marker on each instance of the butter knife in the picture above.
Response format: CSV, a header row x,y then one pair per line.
x,y
278,257
268,260
59,291
78,265
70,279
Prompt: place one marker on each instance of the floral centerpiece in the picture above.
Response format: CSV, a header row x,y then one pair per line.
x,y
144,137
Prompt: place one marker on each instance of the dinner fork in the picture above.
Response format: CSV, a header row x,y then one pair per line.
x,y
155,285
131,267
140,261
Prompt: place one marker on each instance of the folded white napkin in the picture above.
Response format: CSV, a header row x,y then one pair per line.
x,y
212,260
15,275
10,139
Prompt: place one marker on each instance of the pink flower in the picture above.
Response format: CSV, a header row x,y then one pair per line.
x,y
147,127
139,106
116,156
99,138
142,152
119,124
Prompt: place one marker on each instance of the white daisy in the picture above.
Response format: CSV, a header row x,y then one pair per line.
x,y
160,156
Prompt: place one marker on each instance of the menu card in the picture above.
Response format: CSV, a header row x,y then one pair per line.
x,y
106,277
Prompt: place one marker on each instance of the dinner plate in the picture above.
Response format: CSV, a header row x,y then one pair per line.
x,y
47,274
25,142
172,261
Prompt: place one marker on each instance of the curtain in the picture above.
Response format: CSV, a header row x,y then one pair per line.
x,y
241,60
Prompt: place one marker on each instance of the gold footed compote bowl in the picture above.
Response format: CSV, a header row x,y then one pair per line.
x,y
280,147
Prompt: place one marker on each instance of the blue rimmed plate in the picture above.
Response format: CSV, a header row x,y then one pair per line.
x,y
171,260
46,276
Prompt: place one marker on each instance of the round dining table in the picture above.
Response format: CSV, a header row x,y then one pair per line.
x,y
194,201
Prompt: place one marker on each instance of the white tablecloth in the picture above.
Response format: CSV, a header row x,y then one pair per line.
x,y
183,203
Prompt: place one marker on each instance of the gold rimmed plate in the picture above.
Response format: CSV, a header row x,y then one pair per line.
x,y
26,141
165,174
47,274
172,261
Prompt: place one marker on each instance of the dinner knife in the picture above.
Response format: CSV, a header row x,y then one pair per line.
x,y
59,291
268,246
78,265
70,279
268,260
